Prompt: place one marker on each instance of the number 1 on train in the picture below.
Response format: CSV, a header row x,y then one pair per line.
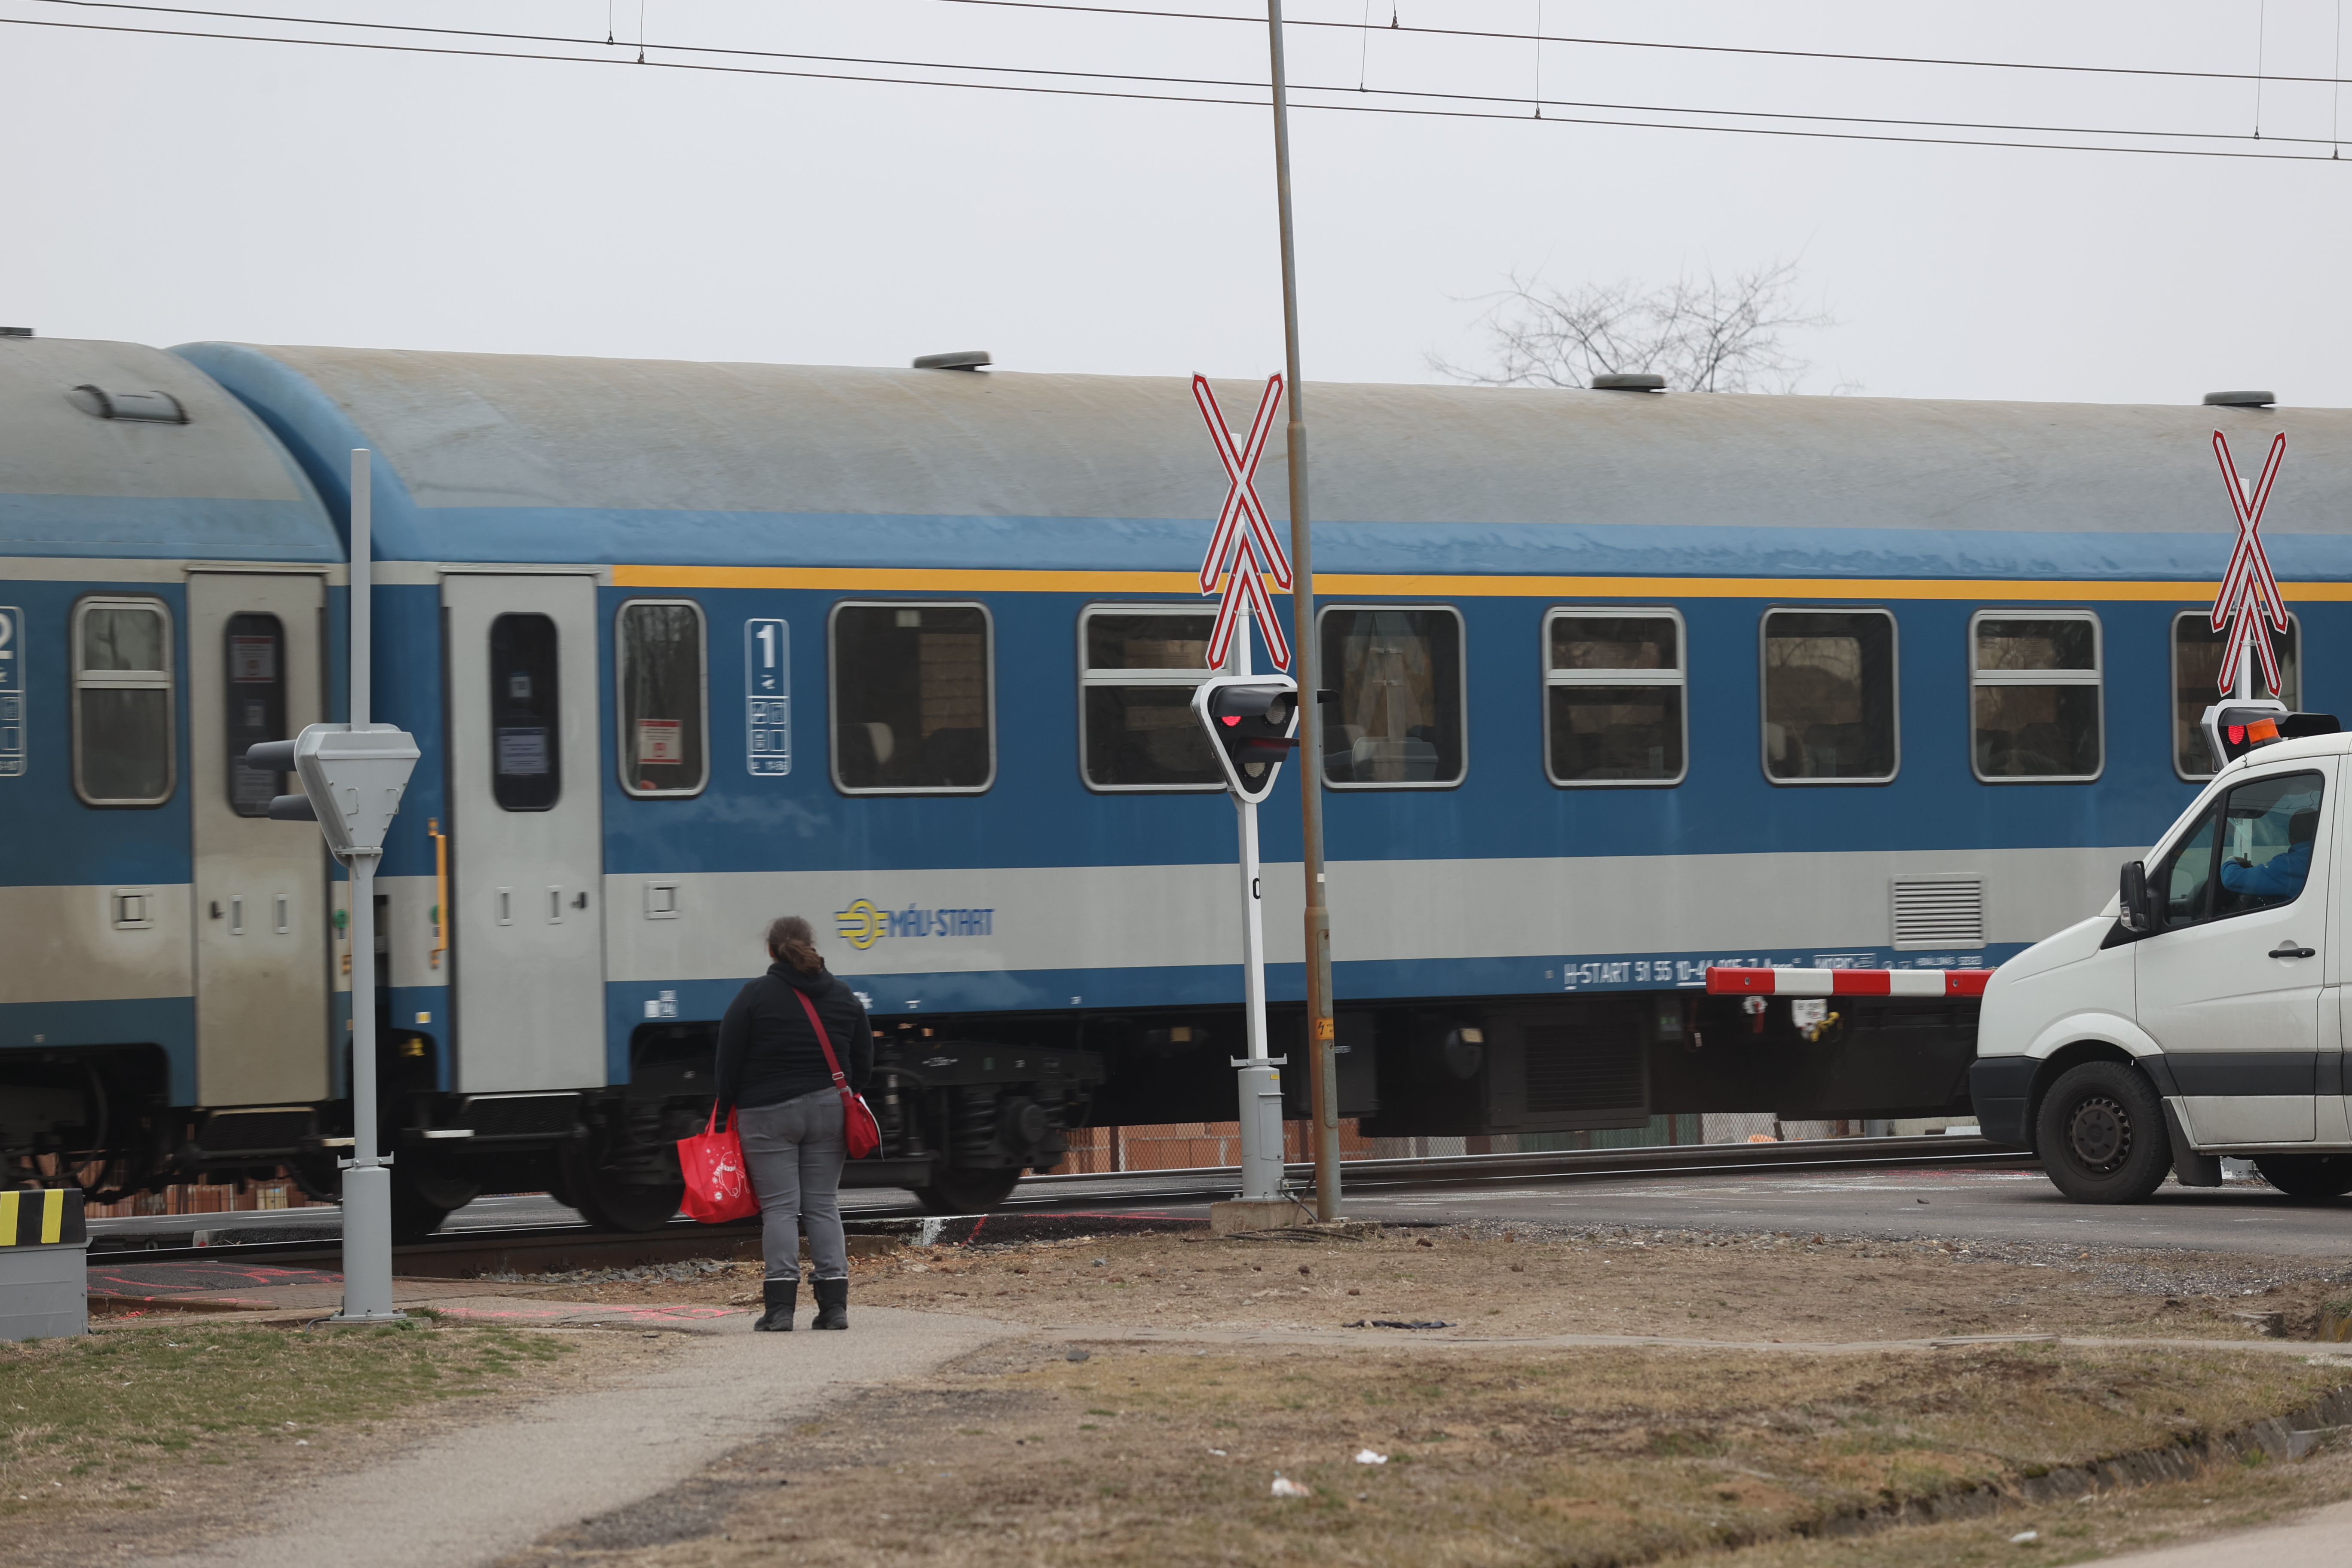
x,y
768,688
12,692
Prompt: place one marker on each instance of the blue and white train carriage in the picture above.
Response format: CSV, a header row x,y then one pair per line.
x,y
1627,683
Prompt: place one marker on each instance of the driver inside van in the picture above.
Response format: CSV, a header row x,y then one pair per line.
x,y
2281,878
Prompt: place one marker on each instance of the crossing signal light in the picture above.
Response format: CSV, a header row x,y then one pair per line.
x,y
1251,721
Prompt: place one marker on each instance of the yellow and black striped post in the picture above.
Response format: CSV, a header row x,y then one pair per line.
x,y
51,1219
44,1265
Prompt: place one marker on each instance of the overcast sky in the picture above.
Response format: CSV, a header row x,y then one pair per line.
x,y
165,189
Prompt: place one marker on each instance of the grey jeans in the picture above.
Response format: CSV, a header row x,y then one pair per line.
x,y
794,1152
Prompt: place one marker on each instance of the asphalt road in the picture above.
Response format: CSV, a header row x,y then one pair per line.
x,y
1992,1205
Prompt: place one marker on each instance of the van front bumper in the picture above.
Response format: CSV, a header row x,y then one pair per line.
x,y
2001,1089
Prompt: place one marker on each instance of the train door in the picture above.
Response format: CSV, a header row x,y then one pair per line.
x,y
527,854
255,673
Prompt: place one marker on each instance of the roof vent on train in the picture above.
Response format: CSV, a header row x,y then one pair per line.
x,y
2240,399
1629,381
143,407
963,359
15,331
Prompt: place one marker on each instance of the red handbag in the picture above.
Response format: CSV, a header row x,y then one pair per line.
x,y
858,1128
717,1187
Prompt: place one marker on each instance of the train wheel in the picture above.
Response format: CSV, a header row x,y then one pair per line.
x,y
967,1190
598,1192
2308,1175
2101,1134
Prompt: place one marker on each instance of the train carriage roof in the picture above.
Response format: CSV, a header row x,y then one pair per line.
x,y
521,458
76,481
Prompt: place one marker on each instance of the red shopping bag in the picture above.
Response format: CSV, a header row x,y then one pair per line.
x,y
718,1187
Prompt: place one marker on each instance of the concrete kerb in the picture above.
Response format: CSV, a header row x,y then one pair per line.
x,y
2317,1352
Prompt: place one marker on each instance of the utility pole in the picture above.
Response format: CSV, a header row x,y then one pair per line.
x,y
1323,1078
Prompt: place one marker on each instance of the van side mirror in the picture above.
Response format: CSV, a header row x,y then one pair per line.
x,y
2137,914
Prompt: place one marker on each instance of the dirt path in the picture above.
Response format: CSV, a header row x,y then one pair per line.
x,y
468,1494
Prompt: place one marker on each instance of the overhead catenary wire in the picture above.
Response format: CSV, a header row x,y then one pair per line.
x,y
1844,133
1649,42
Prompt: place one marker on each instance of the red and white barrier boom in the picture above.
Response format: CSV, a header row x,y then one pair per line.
x,y
1724,980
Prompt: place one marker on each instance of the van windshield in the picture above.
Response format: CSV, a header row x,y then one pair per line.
x,y
2182,876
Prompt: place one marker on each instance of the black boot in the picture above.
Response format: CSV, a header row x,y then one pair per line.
x,y
781,1295
832,1303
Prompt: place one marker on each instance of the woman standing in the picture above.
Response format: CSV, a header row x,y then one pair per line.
x,y
772,1073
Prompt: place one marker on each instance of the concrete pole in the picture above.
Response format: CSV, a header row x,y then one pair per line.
x,y
367,1177
1323,1076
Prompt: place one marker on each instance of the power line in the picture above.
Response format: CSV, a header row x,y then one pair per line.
x,y
1648,44
1540,103
1136,96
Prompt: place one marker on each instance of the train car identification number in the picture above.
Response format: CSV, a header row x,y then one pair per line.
x,y
768,685
12,692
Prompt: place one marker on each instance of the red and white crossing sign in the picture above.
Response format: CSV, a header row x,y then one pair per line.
x,y
1244,544
2250,594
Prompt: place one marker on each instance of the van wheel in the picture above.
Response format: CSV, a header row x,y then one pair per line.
x,y
2101,1134
2308,1175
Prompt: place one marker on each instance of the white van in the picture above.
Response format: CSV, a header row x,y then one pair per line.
x,y
2201,1012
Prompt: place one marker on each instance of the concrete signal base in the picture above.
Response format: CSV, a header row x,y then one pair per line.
x,y
1257,1214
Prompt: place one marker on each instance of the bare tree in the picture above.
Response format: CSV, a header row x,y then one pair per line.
x,y
1707,334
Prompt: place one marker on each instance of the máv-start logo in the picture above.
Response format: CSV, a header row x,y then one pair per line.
x,y
862,924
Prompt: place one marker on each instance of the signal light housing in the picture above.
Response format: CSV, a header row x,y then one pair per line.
x,y
1252,722
2234,728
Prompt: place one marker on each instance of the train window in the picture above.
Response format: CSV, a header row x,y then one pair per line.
x,y
526,720
1613,696
1138,666
664,744
2034,695
1399,721
123,750
912,709
2196,651
256,709
1829,696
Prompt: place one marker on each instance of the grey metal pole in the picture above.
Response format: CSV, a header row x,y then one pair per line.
x,y
367,1179
1323,1076
1259,1080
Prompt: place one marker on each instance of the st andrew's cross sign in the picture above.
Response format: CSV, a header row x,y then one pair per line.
x,y
1244,544
2250,594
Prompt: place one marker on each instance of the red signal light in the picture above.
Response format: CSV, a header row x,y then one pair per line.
x,y
1234,718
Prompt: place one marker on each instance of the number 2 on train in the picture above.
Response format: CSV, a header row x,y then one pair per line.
x,y
767,690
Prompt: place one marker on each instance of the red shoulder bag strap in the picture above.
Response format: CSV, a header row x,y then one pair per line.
x,y
822,1039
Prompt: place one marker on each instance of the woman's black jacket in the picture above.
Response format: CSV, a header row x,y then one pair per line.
x,y
767,1052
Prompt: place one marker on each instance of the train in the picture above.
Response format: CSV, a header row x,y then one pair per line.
x,y
1621,684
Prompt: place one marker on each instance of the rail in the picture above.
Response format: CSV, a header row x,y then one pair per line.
x,y
528,1248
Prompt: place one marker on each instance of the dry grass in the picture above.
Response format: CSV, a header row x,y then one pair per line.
x,y
1166,1457
1776,1288
159,1427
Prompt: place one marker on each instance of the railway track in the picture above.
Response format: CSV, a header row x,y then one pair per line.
x,y
539,1248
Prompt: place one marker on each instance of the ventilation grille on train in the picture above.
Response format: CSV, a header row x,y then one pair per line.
x,y
1938,912
1575,1067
